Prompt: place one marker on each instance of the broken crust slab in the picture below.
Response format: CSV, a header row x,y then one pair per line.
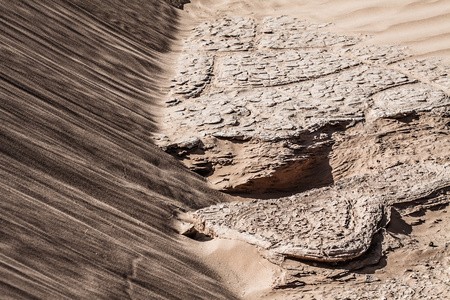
x,y
329,224
325,227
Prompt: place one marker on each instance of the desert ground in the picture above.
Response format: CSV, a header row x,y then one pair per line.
x,y
225,149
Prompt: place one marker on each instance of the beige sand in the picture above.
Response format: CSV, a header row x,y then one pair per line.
x,y
422,25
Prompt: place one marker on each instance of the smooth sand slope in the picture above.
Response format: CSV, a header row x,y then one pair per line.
x,y
85,198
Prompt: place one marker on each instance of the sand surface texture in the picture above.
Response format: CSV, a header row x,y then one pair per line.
x,y
85,198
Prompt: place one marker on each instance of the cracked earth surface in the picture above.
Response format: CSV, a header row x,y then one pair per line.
x,y
281,105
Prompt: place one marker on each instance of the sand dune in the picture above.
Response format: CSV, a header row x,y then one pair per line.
x,y
85,197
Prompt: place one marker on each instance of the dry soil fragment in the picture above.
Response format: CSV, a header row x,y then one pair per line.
x,y
227,34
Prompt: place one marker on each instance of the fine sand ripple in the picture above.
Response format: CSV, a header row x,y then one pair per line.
x,y
85,197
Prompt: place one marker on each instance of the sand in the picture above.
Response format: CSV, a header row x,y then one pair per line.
x,y
88,201
420,25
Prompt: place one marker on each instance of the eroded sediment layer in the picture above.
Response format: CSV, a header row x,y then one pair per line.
x,y
270,114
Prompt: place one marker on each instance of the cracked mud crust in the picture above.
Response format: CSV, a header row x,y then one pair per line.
x,y
265,97
332,228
